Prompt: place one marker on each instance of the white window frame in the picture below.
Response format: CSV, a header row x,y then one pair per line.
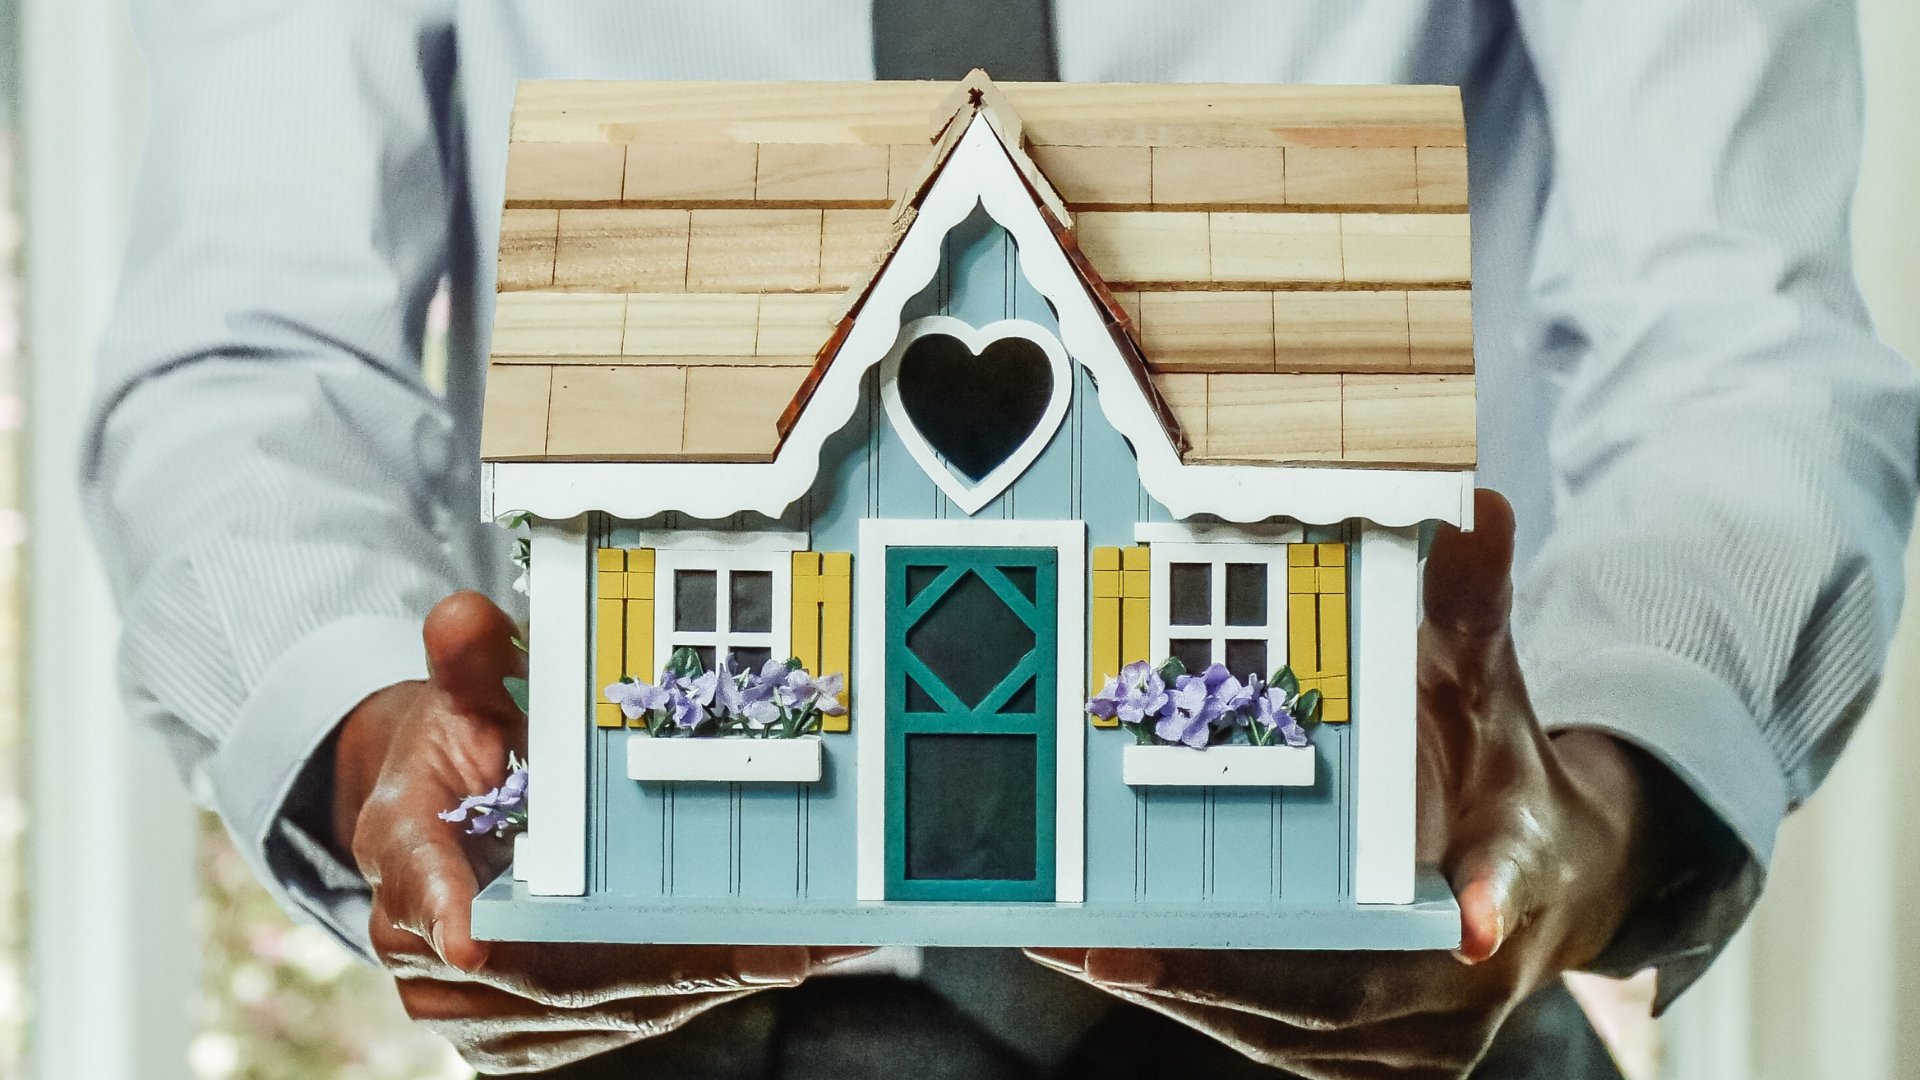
x,y
724,553
1160,559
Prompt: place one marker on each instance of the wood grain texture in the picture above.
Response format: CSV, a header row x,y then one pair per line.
x,y
622,250
513,424
1273,417
1129,302
1409,248
906,165
690,172
796,324
732,412
1421,419
1351,175
1340,331
1275,247
692,324
753,251
1098,175
564,173
851,243
1139,247
1442,174
1441,329
527,242
1219,176
558,324
1059,114
1186,397
1207,331
611,413
736,360
823,173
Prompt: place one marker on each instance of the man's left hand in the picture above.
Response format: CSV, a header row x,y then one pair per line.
x,y
1545,840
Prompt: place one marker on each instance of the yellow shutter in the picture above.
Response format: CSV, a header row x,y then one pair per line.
x,y
623,618
1121,628
823,620
1317,641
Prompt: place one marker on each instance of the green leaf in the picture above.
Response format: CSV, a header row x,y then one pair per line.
x,y
1171,668
517,690
1307,709
685,664
1285,680
794,664
518,644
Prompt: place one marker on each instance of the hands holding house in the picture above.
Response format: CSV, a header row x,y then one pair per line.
x,y
414,749
1548,843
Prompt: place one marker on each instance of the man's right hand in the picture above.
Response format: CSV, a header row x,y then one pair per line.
x,y
417,748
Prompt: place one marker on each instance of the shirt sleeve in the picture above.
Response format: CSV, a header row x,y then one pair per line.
x,y
1733,454
266,474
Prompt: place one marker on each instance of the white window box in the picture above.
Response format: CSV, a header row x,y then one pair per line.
x,y
1218,766
724,760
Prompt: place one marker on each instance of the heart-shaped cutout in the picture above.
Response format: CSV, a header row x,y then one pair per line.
x,y
975,411
975,407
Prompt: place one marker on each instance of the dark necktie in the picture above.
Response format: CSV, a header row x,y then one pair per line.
x,y
944,39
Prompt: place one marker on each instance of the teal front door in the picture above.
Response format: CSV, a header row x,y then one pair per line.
x,y
972,638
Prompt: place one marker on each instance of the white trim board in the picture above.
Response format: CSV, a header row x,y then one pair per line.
x,y
559,717
980,173
1210,532
1068,539
1386,616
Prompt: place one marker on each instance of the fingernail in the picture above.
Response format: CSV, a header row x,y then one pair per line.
x,y
1130,968
434,939
839,954
1070,961
770,965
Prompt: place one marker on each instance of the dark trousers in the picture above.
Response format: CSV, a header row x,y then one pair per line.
x,y
883,1027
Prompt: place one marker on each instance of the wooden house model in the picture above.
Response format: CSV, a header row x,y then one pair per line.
x,y
975,394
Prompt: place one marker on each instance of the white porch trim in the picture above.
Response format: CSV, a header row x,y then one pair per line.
x,y
559,709
1386,617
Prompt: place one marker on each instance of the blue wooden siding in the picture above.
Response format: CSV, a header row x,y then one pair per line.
x,y
771,841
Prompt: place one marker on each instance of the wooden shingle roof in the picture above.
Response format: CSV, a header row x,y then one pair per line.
x,y
1291,261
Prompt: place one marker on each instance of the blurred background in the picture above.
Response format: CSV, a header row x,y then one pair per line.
x,y
134,944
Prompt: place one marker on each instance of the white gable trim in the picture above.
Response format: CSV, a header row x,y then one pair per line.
x,y
979,171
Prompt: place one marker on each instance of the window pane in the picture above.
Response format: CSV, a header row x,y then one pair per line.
x,y
693,600
751,657
1246,594
972,807
970,639
1196,653
1247,658
1189,594
752,607
704,652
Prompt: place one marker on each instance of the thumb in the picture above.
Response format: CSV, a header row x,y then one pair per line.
x,y
1468,585
470,650
1490,888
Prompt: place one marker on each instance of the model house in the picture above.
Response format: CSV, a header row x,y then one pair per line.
x,y
973,395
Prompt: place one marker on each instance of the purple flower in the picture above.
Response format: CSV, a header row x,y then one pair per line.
x,y
1273,712
1191,718
1132,696
637,699
802,691
498,810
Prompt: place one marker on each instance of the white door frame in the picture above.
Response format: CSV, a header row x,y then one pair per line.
x,y
1068,539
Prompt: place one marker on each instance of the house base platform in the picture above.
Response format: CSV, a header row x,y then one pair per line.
x,y
505,911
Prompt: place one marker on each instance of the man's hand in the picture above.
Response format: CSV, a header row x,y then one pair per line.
x,y
415,749
1546,842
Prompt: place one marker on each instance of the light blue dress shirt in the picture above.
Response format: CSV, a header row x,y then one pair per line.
x,y
1712,456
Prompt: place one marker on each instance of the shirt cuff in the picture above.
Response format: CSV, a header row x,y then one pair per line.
x,y
1690,723
293,709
